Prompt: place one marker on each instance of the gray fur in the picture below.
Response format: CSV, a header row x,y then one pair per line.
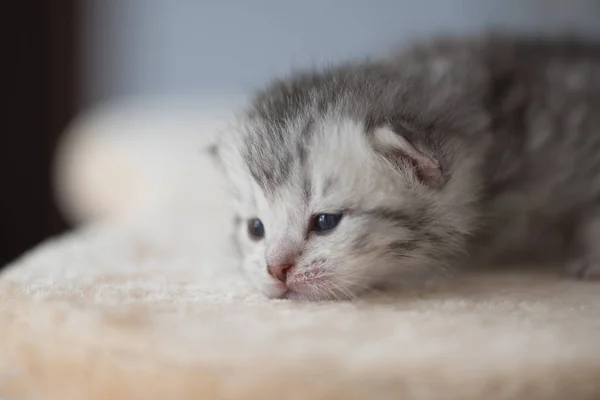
x,y
514,124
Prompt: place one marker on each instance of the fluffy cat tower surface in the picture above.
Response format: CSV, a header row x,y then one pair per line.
x,y
144,301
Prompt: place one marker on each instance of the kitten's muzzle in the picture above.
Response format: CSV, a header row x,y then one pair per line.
x,y
279,272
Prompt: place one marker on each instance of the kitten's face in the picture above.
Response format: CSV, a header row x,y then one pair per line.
x,y
323,215
350,178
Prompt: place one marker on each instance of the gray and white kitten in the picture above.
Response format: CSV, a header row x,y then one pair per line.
x,y
450,152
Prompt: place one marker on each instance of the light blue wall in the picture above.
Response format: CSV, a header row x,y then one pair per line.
x,y
202,47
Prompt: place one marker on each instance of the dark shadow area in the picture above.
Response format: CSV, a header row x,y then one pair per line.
x,y
41,89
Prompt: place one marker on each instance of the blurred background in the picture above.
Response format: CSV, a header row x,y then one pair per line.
x,y
68,57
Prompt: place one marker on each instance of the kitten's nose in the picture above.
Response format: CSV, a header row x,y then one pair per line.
x,y
279,272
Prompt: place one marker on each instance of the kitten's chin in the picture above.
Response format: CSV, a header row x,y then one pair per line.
x,y
309,292
315,296
296,291
274,290
305,293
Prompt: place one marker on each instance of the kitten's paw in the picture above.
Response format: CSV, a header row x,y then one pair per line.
x,y
584,269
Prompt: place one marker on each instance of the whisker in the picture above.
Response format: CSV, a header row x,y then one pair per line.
x,y
345,291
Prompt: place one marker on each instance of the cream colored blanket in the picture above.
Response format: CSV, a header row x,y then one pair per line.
x,y
146,303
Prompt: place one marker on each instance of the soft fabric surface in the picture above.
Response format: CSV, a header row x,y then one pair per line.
x,y
138,157
157,311
150,305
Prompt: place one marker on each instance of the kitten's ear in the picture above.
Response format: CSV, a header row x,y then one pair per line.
x,y
403,154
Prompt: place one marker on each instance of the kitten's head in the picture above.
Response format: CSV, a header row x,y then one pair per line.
x,y
340,185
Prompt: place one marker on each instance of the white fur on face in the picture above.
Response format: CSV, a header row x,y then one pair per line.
x,y
345,175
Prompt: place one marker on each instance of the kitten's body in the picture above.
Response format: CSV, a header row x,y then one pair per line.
x,y
450,151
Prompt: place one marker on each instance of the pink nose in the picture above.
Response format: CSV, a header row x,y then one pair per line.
x,y
279,272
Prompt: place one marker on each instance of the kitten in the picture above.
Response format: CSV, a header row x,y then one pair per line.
x,y
451,151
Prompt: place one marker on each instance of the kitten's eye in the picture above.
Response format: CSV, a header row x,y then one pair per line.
x,y
326,222
256,230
